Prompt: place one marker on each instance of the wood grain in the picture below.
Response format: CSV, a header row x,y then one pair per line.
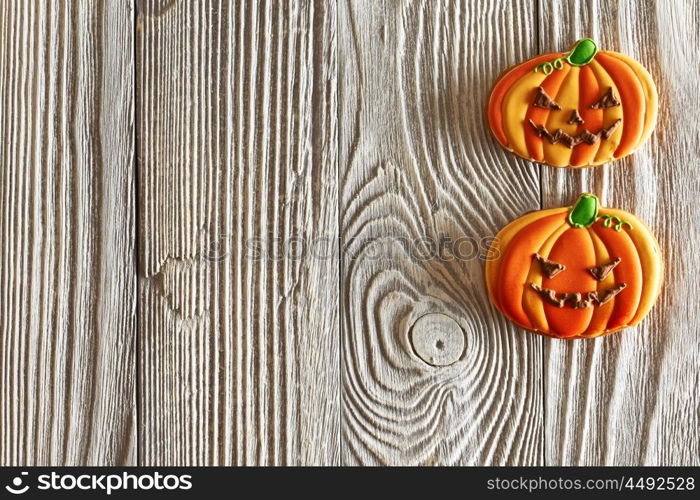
x,y
237,147
417,165
632,399
67,286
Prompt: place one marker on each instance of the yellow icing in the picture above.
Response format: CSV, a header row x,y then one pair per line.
x,y
515,106
650,94
607,146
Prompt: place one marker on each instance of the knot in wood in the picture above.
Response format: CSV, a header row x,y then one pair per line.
x,y
437,339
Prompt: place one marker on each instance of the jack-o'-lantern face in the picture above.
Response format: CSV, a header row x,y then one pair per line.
x,y
543,101
576,271
578,299
586,107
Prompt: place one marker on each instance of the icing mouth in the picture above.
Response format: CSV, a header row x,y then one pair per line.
x,y
578,300
574,140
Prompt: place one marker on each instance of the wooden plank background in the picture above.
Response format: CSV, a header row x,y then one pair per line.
x,y
67,293
236,160
216,224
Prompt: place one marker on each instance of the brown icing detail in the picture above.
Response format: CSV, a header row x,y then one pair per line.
x,y
540,130
542,100
607,132
588,137
577,301
575,118
574,298
610,293
608,100
583,304
549,268
571,141
601,272
549,295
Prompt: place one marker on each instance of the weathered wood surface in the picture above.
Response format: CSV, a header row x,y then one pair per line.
x,y
171,324
67,274
238,338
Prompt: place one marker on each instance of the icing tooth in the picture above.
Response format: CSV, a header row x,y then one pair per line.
x,y
611,292
548,294
583,304
575,298
541,130
588,137
607,132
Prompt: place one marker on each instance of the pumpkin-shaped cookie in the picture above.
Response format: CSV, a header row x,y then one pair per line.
x,y
586,107
574,272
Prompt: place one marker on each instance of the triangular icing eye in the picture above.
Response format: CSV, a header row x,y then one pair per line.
x,y
601,272
542,100
608,100
549,268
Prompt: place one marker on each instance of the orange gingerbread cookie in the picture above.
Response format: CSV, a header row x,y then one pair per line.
x,y
586,107
575,272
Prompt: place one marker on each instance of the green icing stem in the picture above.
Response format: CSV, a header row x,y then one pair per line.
x,y
583,52
585,213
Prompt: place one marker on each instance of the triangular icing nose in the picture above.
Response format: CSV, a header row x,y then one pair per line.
x,y
575,118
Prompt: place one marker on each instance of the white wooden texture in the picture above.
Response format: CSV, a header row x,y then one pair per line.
x,y
417,161
67,273
632,398
237,147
